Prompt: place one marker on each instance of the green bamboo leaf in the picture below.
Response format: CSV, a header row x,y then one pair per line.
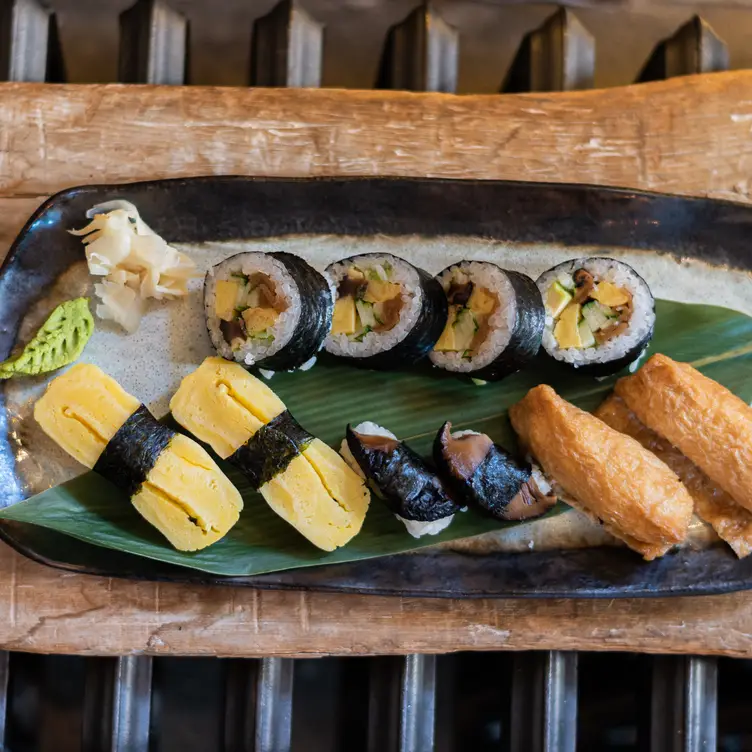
x,y
413,404
60,341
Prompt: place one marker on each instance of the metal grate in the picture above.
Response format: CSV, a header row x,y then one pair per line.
x,y
286,49
548,701
153,44
558,56
429,47
420,54
695,48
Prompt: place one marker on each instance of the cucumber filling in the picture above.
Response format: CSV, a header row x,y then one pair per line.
x,y
367,301
470,308
587,312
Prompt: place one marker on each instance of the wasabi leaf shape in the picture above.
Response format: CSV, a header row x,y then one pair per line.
x,y
60,341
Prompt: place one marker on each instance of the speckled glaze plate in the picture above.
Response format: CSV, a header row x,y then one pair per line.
x,y
690,247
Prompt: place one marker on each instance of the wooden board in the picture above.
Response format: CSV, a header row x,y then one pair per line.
x,y
690,136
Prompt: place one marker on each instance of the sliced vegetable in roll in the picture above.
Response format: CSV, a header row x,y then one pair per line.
x,y
172,481
269,310
699,416
387,313
600,314
401,478
731,521
302,479
495,321
482,473
607,475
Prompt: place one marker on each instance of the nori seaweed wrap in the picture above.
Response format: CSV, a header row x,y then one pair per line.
x,y
270,311
495,321
408,486
130,455
271,449
483,474
388,313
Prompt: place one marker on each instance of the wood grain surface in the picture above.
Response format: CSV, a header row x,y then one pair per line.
x,y
689,136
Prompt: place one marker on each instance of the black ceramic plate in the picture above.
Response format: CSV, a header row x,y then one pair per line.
x,y
237,208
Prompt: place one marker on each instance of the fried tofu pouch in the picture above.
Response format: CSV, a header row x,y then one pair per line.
x,y
610,476
710,425
713,505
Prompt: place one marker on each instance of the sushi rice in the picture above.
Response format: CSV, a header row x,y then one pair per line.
x,y
416,528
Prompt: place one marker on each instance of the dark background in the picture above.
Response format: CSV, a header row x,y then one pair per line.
x,y
355,31
331,696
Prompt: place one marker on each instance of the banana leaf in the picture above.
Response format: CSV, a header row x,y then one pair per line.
x,y
413,404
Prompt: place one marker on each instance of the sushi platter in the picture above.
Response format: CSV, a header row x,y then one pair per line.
x,y
426,387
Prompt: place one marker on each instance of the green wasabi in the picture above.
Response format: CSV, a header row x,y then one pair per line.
x,y
60,341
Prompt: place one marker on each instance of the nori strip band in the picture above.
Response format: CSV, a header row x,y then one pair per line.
x,y
316,308
408,486
271,449
490,481
425,332
497,481
527,332
133,451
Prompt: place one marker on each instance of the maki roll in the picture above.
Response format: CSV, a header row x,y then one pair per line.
x,y
600,314
482,473
302,479
172,482
387,312
609,476
495,321
411,490
268,310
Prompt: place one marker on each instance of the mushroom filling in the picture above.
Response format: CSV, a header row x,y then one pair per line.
x,y
377,442
531,501
587,312
470,308
248,307
465,452
367,301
